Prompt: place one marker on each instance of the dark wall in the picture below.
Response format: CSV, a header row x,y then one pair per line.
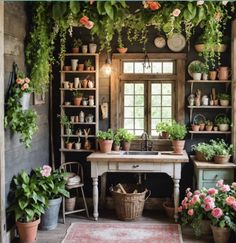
x,y
18,158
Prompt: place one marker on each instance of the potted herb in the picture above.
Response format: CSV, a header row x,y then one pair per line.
x,y
177,134
196,70
105,140
76,45
222,151
224,99
163,128
209,126
27,201
121,49
195,126
78,96
223,122
52,185
205,70
203,151
88,65
64,121
126,138
116,142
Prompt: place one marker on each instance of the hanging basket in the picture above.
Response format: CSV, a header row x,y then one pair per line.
x,y
25,101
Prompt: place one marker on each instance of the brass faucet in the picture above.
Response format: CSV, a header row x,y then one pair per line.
x,y
146,145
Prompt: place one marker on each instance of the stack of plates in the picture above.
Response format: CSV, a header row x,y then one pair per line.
x,y
176,42
73,180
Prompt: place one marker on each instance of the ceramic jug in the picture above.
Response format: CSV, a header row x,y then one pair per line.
x,y
223,73
90,84
81,116
205,100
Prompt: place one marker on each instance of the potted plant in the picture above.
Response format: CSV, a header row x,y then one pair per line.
x,y
209,126
205,71
78,144
177,134
223,122
27,201
203,151
121,49
163,128
196,70
105,140
195,126
78,96
76,45
88,65
18,117
169,207
64,121
222,151
224,99
52,185
126,138
116,142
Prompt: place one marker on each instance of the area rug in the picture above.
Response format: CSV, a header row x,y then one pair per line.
x,y
123,233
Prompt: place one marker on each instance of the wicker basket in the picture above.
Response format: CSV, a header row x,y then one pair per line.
x,y
129,206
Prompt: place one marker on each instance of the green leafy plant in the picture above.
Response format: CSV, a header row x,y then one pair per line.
x,y
64,121
220,147
88,63
52,183
205,149
196,68
77,43
105,135
222,119
23,122
224,96
177,131
116,139
163,126
125,136
28,200
77,94
205,68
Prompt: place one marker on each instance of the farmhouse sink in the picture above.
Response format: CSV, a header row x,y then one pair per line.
x,y
140,153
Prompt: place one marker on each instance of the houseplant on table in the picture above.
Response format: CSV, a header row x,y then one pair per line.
x,y
126,137
52,185
177,134
203,151
28,201
105,140
163,127
116,142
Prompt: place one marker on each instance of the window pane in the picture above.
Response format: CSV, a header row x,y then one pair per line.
x,y
166,112
156,112
138,132
139,112
128,67
128,124
139,88
154,123
129,88
139,123
139,100
154,133
156,88
138,67
156,100
156,67
166,88
148,68
129,112
129,100
167,67
166,100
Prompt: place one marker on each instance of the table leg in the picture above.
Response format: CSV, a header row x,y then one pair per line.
x,y
103,190
176,197
95,198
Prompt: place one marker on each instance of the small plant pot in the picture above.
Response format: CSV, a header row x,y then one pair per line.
x,y
66,84
216,102
224,102
76,83
212,75
75,50
69,145
221,159
197,76
81,67
178,146
209,128
165,135
204,76
74,63
122,50
211,102
77,101
200,156
68,131
92,68
70,204
169,209
88,68
105,145
126,146
92,48
116,147
197,102
84,48
215,128
67,68
85,83
195,127
223,127
202,127
221,235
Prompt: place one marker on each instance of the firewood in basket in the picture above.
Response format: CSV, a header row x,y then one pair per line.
x,y
135,191
119,186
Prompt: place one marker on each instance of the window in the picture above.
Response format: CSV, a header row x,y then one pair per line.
x,y
143,95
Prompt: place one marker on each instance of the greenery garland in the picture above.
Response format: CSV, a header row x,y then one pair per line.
x,y
53,18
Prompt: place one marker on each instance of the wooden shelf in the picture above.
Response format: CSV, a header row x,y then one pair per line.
x,y
73,89
209,81
210,132
81,54
62,71
83,123
210,107
79,106
77,150
76,136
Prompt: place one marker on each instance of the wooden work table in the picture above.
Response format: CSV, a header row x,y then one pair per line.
x,y
164,161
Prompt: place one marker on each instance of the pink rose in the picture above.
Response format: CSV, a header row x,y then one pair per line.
x,y
197,192
202,195
176,12
46,171
19,81
209,206
189,194
230,200
225,188
188,189
217,213
190,212
180,209
27,80
153,5
84,20
220,183
89,25
185,205
208,199
234,184
234,206
24,86
212,191
200,2
184,201
195,198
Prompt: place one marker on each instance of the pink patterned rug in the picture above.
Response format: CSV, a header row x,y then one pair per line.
x,y
123,233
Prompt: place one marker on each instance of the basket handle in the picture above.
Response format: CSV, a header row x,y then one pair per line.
x,y
149,194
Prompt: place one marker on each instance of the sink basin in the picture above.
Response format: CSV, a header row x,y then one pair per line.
x,y
140,153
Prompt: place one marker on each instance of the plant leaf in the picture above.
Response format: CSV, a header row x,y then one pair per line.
x,y
74,7
109,10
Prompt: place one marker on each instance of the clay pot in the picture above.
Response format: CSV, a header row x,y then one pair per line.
x,y
223,127
209,128
70,203
220,235
195,127
165,135
178,146
81,67
202,127
116,147
84,83
204,76
221,159
223,73
69,145
67,68
126,146
200,156
92,48
197,101
105,145
169,209
122,50
197,76
224,102
75,50
212,75
77,101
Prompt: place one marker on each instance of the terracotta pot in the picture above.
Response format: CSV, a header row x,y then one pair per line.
x,y
224,102
221,235
197,101
209,128
223,73
178,146
105,145
126,146
84,83
206,227
70,203
212,75
221,159
165,135
122,50
169,209
69,145
116,147
200,156
75,50
67,68
28,231
195,127
217,48
223,127
202,127
81,67
77,101
216,102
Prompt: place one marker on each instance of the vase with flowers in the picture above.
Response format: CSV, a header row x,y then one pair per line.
x,y
52,183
